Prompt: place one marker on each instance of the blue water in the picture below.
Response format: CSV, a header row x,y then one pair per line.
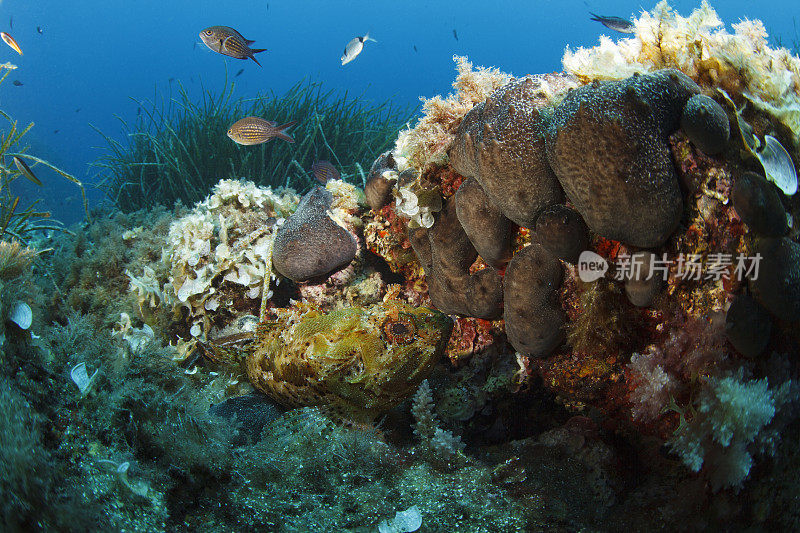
x,y
94,56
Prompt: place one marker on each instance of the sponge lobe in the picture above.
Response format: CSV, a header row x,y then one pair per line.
x,y
310,244
447,254
487,228
501,144
706,124
534,318
607,144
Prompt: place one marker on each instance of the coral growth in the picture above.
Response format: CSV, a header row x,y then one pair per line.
x,y
426,143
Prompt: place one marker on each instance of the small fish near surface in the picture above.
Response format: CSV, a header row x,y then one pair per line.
x,y
9,40
238,73
455,35
255,130
324,171
229,42
354,48
614,23
26,171
18,83
39,30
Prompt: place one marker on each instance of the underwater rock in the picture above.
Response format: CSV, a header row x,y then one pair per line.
x,y
747,325
777,286
642,287
310,244
485,225
758,205
501,144
357,361
533,315
706,124
562,231
378,189
607,144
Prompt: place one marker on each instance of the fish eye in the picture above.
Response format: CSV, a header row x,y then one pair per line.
x,y
400,330
208,32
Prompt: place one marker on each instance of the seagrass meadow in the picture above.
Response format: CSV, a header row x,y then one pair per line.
x,y
177,148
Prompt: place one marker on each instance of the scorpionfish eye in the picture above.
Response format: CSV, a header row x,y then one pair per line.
x,y
400,330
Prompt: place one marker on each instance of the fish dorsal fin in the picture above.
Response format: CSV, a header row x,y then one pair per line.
x,y
249,41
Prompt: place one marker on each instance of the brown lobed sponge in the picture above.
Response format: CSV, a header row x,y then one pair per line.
x,y
378,189
562,231
446,254
487,228
310,244
607,144
706,124
758,204
501,144
533,315
777,286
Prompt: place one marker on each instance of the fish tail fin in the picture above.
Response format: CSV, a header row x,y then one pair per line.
x,y
368,38
594,17
281,134
255,51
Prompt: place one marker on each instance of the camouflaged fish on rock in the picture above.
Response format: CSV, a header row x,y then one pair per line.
x,y
357,362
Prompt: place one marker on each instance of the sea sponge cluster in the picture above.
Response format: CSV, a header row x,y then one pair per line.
x,y
224,243
524,149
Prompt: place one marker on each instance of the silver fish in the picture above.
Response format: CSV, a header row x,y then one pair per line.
x,y
614,23
354,48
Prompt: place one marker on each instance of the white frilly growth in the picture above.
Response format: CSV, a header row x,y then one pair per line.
x,y
407,205
403,521
81,378
21,315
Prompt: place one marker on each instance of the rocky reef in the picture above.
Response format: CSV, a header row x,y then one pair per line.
x,y
629,219
563,299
